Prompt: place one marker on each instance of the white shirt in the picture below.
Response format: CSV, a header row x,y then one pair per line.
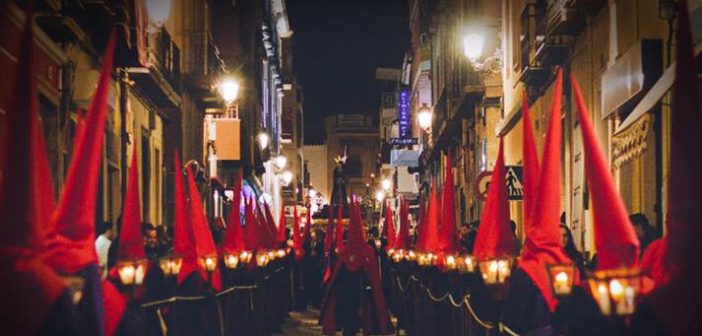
x,y
102,246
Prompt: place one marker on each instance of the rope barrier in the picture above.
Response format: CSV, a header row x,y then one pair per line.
x,y
229,290
456,304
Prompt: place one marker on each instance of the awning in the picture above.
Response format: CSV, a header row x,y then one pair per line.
x,y
654,95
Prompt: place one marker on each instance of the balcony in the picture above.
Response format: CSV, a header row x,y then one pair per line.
x,y
565,19
202,67
160,80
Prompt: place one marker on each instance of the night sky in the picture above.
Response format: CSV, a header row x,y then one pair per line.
x,y
338,44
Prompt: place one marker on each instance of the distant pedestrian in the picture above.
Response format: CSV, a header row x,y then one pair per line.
x,y
102,244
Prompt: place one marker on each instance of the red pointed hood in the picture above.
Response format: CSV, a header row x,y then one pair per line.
x,y
495,237
389,228
675,302
131,245
27,284
202,236
422,228
296,238
543,241
329,237
73,223
339,227
448,242
684,178
114,306
234,237
530,162
431,239
615,239
251,228
356,234
281,226
183,244
403,240
268,227
308,227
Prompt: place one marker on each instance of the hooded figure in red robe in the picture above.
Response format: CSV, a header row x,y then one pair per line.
x,y
35,298
354,298
673,308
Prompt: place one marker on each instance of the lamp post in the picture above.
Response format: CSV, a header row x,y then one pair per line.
x,y
229,91
158,12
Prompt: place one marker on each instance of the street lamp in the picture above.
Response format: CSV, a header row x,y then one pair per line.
x,y
281,161
287,177
473,46
386,185
380,196
312,193
228,89
158,12
263,140
424,116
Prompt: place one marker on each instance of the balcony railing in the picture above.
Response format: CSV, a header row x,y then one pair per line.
x,y
165,56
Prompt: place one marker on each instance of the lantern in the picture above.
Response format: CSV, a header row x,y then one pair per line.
x,y
131,272
281,253
615,291
209,262
466,263
231,260
450,262
496,271
170,265
245,256
261,260
561,277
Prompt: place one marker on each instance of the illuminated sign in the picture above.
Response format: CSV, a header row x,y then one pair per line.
x,y
403,114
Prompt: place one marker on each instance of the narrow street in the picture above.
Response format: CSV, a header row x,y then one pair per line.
x,y
410,167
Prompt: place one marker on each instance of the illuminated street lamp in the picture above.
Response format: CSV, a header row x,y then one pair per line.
x,y
386,185
312,193
287,177
158,12
424,117
473,46
380,196
281,161
171,265
263,140
229,90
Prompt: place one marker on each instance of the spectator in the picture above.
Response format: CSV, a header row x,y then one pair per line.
x,y
568,245
150,241
517,241
102,244
643,230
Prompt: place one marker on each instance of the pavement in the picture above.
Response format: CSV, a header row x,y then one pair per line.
x,y
305,324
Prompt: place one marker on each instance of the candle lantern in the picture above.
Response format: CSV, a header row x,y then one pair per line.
x,y
245,257
231,260
450,262
170,265
209,262
466,263
131,272
615,291
262,260
281,253
496,271
411,256
271,255
561,277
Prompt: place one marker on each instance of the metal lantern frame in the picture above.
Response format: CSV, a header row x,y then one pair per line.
x,y
170,265
616,291
496,271
561,278
132,272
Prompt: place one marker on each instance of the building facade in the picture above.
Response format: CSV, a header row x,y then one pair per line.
x,y
622,61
